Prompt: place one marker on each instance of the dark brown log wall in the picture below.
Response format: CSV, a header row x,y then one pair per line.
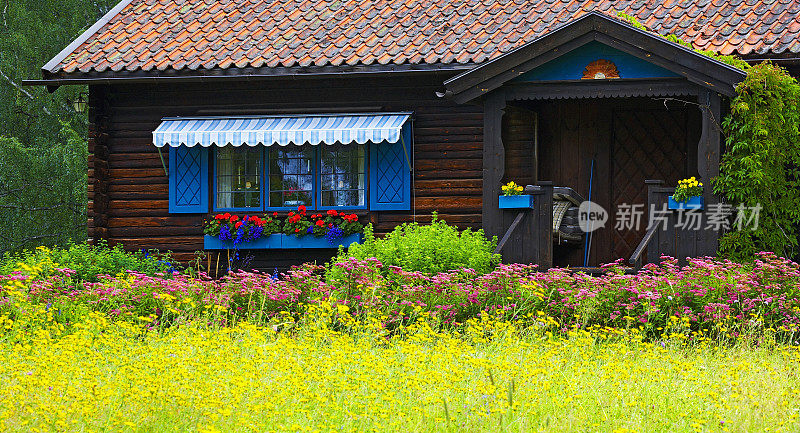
x,y
519,141
128,195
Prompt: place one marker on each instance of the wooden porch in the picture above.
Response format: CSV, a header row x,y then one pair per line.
x,y
553,119
614,144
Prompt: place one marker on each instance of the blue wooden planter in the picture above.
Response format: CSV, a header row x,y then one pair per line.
x,y
694,202
263,243
523,201
311,241
280,241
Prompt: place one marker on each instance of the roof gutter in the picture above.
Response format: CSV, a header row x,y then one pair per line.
x,y
55,61
282,74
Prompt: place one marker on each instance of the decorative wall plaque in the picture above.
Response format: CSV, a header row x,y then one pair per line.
x,y
599,70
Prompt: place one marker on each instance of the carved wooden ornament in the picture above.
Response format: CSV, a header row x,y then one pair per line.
x,y
599,70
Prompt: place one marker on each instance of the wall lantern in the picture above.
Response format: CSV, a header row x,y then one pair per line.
x,y
79,104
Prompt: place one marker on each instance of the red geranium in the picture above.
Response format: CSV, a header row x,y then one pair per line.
x,y
301,208
320,223
332,212
234,218
239,224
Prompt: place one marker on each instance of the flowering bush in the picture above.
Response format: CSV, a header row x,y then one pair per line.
x,y
687,188
511,188
229,227
708,298
88,261
332,224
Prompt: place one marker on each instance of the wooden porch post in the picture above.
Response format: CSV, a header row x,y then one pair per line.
x,y
541,230
494,157
708,151
659,244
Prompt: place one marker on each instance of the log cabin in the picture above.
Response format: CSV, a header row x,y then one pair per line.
x,y
396,110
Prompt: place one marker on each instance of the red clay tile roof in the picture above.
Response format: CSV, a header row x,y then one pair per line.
x,y
181,35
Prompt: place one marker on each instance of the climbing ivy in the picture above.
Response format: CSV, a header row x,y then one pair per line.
x,y
761,162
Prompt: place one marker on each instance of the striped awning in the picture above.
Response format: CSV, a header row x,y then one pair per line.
x,y
281,130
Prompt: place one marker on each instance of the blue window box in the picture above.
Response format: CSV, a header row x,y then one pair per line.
x,y
523,201
694,202
263,243
280,241
311,241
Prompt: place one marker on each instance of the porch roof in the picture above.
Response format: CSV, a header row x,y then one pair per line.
x,y
699,70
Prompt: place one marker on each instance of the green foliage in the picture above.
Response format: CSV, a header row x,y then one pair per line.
x,y
31,33
43,148
430,249
88,261
43,192
739,246
761,163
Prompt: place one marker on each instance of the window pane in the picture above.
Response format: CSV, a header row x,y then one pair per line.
x,y
296,198
342,171
327,182
328,196
291,178
239,177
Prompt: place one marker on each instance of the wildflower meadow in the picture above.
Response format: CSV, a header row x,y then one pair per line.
x,y
356,346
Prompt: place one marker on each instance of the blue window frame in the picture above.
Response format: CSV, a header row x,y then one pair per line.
x,y
283,177
291,176
342,177
238,178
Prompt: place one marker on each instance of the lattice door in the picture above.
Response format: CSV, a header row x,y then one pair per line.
x,y
646,144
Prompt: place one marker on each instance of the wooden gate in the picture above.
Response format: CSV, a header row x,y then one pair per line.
x,y
646,144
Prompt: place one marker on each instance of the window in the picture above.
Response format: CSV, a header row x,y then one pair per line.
x,y
323,176
239,178
343,176
376,175
291,176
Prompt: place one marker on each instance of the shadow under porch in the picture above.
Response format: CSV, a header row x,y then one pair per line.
x,y
614,143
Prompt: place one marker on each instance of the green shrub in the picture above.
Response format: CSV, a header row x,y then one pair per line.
x,y
430,249
88,261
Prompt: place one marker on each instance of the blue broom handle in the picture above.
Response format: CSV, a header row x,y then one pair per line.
x,y
586,241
